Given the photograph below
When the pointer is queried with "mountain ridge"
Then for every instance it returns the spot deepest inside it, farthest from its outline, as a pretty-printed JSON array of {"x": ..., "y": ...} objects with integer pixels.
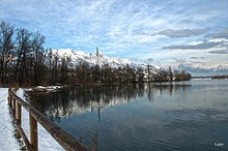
[{"x": 195, "y": 68}]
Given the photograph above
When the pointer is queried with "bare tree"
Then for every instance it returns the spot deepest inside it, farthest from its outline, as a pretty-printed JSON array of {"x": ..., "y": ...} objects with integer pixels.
[
  {"x": 55, "y": 67},
  {"x": 37, "y": 48},
  {"x": 83, "y": 72},
  {"x": 23, "y": 49},
  {"x": 64, "y": 70},
  {"x": 6, "y": 46}
]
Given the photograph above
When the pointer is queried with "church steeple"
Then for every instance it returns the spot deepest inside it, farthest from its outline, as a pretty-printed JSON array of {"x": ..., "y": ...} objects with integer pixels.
[{"x": 97, "y": 51}]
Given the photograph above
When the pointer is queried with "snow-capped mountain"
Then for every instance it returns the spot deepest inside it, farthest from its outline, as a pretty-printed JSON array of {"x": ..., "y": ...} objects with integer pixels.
[
  {"x": 92, "y": 59},
  {"x": 199, "y": 68},
  {"x": 193, "y": 66},
  {"x": 204, "y": 71}
]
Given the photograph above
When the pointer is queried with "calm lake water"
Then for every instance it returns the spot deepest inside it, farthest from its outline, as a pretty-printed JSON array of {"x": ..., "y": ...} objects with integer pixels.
[{"x": 183, "y": 116}]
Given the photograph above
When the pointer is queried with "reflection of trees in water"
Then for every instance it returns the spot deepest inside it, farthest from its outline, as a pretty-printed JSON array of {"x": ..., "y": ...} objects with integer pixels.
[
  {"x": 80, "y": 99},
  {"x": 59, "y": 104},
  {"x": 165, "y": 88},
  {"x": 85, "y": 96},
  {"x": 53, "y": 103}
]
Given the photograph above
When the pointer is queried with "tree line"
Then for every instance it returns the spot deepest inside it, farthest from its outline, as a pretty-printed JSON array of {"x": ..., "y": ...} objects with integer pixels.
[
  {"x": 21, "y": 57},
  {"x": 25, "y": 62}
]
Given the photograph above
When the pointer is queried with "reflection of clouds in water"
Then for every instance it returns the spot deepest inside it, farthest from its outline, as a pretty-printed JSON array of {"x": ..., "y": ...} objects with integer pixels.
[
  {"x": 190, "y": 95},
  {"x": 202, "y": 101},
  {"x": 221, "y": 117},
  {"x": 101, "y": 100},
  {"x": 79, "y": 100},
  {"x": 146, "y": 117},
  {"x": 201, "y": 114}
]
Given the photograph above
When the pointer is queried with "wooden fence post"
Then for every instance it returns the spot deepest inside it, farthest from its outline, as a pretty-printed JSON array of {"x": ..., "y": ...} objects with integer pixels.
[
  {"x": 33, "y": 133},
  {"x": 18, "y": 113},
  {"x": 14, "y": 107},
  {"x": 9, "y": 98},
  {"x": 18, "y": 117}
]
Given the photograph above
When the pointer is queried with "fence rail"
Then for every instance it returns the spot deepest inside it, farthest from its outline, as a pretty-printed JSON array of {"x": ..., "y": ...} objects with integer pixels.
[{"x": 67, "y": 141}]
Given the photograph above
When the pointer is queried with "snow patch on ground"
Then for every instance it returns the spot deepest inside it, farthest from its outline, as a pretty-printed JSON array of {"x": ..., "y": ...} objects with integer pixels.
[
  {"x": 46, "y": 89},
  {"x": 8, "y": 141}
]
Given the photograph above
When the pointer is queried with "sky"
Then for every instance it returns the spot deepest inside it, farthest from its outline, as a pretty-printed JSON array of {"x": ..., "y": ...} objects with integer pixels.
[{"x": 163, "y": 31}]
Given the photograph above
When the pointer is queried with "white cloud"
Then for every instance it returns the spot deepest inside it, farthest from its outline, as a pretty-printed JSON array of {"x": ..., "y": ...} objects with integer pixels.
[
  {"x": 125, "y": 28},
  {"x": 182, "y": 32}
]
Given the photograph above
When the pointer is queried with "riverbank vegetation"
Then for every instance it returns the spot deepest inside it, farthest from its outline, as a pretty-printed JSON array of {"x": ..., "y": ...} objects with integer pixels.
[
  {"x": 220, "y": 77},
  {"x": 25, "y": 62}
]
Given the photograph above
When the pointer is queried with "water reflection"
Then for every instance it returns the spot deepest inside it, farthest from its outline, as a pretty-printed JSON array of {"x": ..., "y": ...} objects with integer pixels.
[
  {"x": 71, "y": 101},
  {"x": 159, "y": 116}
]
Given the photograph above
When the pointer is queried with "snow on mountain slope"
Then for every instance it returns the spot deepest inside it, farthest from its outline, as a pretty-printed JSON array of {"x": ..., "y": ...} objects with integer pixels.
[
  {"x": 204, "y": 70},
  {"x": 196, "y": 66},
  {"x": 92, "y": 59}
]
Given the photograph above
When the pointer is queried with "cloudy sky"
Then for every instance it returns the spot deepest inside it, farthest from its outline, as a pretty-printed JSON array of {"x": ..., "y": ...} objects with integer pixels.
[{"x": 168, "y": 31}]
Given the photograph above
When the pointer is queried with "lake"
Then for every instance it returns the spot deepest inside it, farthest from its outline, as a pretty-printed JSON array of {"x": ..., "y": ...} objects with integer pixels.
[{"x": 188, "y": 116}]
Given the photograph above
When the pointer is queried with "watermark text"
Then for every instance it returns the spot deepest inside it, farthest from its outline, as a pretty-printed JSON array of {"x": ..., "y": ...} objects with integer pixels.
[{"x": 219, "y": 144}]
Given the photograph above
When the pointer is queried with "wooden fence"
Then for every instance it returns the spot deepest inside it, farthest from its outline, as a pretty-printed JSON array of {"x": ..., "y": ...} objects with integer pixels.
[{"x": 67, "y": 141}]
